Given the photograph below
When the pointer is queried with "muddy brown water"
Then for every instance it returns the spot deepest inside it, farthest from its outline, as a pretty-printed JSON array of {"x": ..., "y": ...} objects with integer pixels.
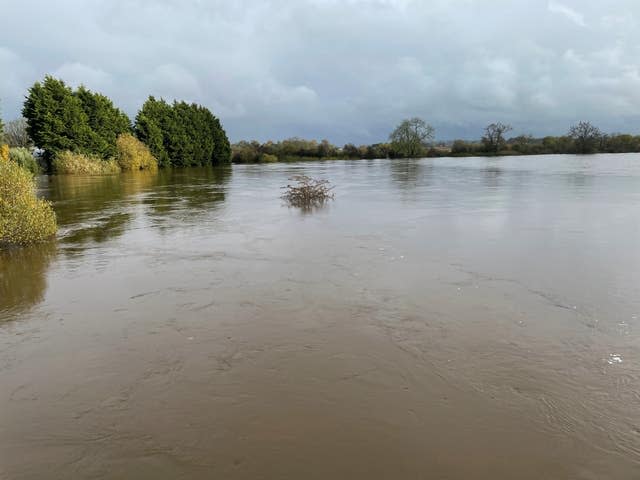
[{"x": 446, "y": 319}]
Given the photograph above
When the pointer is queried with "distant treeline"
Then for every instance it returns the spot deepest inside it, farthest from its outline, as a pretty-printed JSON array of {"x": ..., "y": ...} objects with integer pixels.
[
  {"x": 60, "y": 120},
  {"x": 528, "y": 145},
  {"x": 414, "y": 138},
  {"x": 297, "y": 148}
]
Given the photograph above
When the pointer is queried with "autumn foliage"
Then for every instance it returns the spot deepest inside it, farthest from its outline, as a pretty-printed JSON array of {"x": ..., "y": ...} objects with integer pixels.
[{"x": 24, "y": 218}]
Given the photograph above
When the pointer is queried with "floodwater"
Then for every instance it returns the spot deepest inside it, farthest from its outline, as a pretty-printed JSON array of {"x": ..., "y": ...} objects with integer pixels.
[{"x": 446, "y": 319}]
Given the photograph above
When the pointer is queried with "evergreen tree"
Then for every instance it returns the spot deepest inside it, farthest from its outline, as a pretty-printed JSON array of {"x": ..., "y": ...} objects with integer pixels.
[
  {"x": 106, "y": 121},
  {"x": 222, "y": 149},
  {"x": 151, "y": 123},
  {"x": 60, "y": 119},
  {"x": 56, "y": 120},
  {"x": 182, "y": 134}
]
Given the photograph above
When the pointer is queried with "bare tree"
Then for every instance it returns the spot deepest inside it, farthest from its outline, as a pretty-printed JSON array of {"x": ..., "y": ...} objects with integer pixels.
[
  {"x": 493, "y": 139},
  {"x": 410, "y": 138},
  {"x": 586, "y": 137},
  {"x": 15, "y": 133}
]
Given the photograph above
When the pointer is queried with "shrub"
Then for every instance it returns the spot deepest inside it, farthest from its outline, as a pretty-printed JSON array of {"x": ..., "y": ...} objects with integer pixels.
[
  {"x": 24, "y": 218},
  {"x": 133, "y": 155},
  {"x": 268, "y": 158},
  {"x": 76, "y": 163},
  {"x": 308, "y": 192},
  {"x": 4, "y": 153},
  {"x": 24, "y": 158}
]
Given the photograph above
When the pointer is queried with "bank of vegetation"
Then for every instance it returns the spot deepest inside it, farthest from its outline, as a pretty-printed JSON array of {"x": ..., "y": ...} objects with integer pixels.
[
  {"x": 78, "y": 131},
  {"x": 81, "y": 131},
  {"x": 414, "y": 138}
]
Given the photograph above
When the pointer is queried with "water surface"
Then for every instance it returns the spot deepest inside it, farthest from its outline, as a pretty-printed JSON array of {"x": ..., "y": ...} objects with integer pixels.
[{"x": 448, "y": 318}]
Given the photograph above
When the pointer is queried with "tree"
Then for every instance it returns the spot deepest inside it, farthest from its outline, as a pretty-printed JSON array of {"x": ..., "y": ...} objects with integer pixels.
[
  {"x": 105, "y": 120},
  {"x": 182, "y": 134},
  {"x": 410, "y": 138},
  {"x": 493, "y": 139},
  {"x": 460, "y": 147},
  {"x": 56, "y": 120},
  {"x": 586, "y": 137},
  {"x": 522, "y": 143},
  {"x": 351, "y": 151},
  {"x": 222, "y": 146},
  {"x": 16, "y": 135},
  {"x": 151, "y": 122},
  {"x": 59, "y": 119}
]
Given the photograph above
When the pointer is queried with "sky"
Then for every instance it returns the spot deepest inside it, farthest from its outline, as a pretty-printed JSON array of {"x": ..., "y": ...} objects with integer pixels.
[{"x": 347, "y": 70}]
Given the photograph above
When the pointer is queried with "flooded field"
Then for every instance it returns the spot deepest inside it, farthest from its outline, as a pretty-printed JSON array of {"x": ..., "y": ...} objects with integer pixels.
[{"x": 447, "y": 319}]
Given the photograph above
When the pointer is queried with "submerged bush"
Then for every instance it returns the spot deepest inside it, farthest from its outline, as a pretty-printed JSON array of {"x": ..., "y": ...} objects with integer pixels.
[
  {"x": 24, "y": 218},
  {"x": 23, "y": 157},
  {"x": 133, "y": 155},
  {"x": 308, "y": 192},
  {"x": 76, "y": 163}
]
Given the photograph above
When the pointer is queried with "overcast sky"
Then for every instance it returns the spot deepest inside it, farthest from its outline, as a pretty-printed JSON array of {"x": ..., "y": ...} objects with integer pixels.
[{"x": 345, "y": 70}]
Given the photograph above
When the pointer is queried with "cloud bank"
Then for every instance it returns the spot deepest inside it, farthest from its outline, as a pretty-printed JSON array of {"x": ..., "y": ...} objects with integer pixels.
[{"x": 342, "y": 70}]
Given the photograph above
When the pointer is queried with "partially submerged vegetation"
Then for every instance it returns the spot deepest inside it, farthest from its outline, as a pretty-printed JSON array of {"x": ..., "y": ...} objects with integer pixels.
[
  {"x": 67, "y": 163},
  {"x": 5, "y": 153},
  {"x": 76, "y": 129},
  {"x": 133, "y": 155},
  {"x": 307, "y": 192},
  {"x": 24, "y": 218}
]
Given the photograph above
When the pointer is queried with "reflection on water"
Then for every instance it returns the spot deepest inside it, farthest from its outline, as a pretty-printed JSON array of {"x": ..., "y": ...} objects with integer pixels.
[
  {"x": 186, "y": 195},
  {"x": 23, "y": 277},
  {"x": 455, "y": 318},
  {"x": 492, "y": 176},
  {"x": 410, "y": 173},
  {"x": 106, "y": 227}
]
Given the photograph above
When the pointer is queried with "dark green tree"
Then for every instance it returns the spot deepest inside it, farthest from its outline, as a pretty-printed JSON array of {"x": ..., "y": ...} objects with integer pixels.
[
  {"x": 60, "y": 119},
  {"x": 151, "y": 124},
  {"x": 182, "y": 134},
  {"x": 222, "y": 147},
  {"x": 105, "y": 120},
  {"x": 56, "y": 120}
]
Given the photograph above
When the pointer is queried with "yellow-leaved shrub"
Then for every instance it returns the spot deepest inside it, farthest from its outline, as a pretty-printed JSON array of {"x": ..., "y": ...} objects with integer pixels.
[
  {"x": 24, "y": 218},
  {"x": 79, "y": 164},
  {"x": 133, "y": 155},
  {"x": 4, "y": 153}
]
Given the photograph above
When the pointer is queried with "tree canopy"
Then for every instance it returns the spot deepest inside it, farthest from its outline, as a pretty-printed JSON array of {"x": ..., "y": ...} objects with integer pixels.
[
  {"x": 585, "y": 137},
  {"x": 493, "y": 139},
  {"x": 60, "y": 119},
  {"x": 182, "y": 134},
  {"x": 411, "y": 137}
]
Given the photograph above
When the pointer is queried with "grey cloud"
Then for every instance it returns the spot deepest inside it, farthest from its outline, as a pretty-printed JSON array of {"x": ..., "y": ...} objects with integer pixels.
[{"x": 344, "y": 70}]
